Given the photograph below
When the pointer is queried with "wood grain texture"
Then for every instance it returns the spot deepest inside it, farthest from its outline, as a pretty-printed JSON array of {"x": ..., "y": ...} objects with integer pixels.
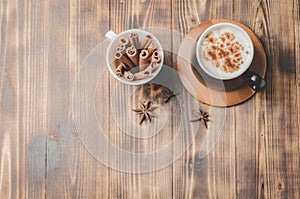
[
  {"x": 43, "y": 43},
  {"x": 214, "y": 174},
  {"x": 78, "y": 26},
  {"x": 297, "y": 46},
  {"x": 283, "y": 167},
  {"x": 139, "y": 14},
  {"x": 9, "y": 137},
  {"x": 246, "y": 168}
]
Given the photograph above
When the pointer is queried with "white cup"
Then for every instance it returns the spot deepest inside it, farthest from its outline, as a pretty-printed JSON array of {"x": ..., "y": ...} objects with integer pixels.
[
  {"x": 254, "y": 80},
  {"x": 114, "y": 38}
]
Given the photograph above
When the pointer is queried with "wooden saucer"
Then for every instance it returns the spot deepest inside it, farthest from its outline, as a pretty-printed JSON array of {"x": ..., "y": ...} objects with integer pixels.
[{"x": 207, "y": 89}]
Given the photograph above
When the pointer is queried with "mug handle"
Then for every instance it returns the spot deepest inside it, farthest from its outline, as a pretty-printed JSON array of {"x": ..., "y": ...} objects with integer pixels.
[
  {"x": 256, "y": 82},
  {"x": 110, "y": 35}
]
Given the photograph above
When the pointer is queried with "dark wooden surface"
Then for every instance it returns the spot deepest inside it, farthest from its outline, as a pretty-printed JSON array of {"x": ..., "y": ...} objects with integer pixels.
[{"x": 42, "y": 44}]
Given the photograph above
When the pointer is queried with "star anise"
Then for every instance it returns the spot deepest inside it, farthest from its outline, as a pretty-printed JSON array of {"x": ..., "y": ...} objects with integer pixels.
[
  {"x": 145, "y": 111},
  {"x": 202, "y": 116}
]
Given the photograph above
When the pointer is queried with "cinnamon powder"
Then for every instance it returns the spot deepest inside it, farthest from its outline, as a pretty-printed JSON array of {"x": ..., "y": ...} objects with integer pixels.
[{"x": 223, "y": 51}]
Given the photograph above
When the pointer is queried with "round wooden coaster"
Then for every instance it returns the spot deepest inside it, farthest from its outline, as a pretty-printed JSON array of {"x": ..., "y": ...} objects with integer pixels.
[{"x": 207, "y": 89}]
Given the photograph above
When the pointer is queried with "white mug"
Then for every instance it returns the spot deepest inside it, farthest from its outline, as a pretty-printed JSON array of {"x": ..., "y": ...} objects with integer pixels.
[{"x": 254, "y": 80}]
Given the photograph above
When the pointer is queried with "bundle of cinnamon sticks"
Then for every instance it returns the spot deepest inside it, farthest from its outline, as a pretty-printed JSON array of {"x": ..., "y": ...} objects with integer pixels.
[{"x": 136, "y": 60}]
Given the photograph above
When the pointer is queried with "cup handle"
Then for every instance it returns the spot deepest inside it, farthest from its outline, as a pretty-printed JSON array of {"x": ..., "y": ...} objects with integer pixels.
[
  {"x": 110, "y": 35},
  {"x": 256, "y": 82}
]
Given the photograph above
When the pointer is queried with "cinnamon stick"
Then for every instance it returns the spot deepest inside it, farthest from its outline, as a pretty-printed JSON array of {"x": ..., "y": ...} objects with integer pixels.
[
  {"x": 155, "y": 58},
  {"x": 128, "y": 75},
  {"x": 143, "y": 61},
  {"x": 147, "y": 72},
  {"x": 146, "y": 42},
  {"x": 121, "y": 68},
  {"x": 132, "y": 54},
  {"x": 152, "y": 66},
  {"x": 152, "y": 47},
  {"x": 121, "y": 49},
  {"x": 134, "y": 39},
  {"x": 124, "y": 41},
  {"x": 122, "y": 58}
]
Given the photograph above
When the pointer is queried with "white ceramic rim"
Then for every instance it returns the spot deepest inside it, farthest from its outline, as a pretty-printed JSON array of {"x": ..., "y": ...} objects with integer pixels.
[
  {"x": 134, "y": 82},
  {"x": 209, "y": 29}
]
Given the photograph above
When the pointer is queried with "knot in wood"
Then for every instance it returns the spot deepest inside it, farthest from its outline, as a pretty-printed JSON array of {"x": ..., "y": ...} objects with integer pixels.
[
  {"x": 280, "y": 186},
  {"x": 192, "y": 19}
]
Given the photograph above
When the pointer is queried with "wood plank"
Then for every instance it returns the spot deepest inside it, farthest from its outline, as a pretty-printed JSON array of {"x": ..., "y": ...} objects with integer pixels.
[
  {"x": 250, "y": 161},
  {"x": 184, "y": 16},
  {"x": 297, "y": 45},
  {"x": 60, "y": 76},
  {"x": 261, "y": 28},
  {"x": 35, "y": 98},
  {"x": 23, "y": 47}
]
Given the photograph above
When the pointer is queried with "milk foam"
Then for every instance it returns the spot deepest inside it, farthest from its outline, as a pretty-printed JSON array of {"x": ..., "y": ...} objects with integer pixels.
[{"x": 246, "y": 54}]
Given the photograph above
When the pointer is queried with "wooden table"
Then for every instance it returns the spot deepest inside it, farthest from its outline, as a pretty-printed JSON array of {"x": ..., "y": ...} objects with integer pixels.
[{"x": 42, "y": 46}]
